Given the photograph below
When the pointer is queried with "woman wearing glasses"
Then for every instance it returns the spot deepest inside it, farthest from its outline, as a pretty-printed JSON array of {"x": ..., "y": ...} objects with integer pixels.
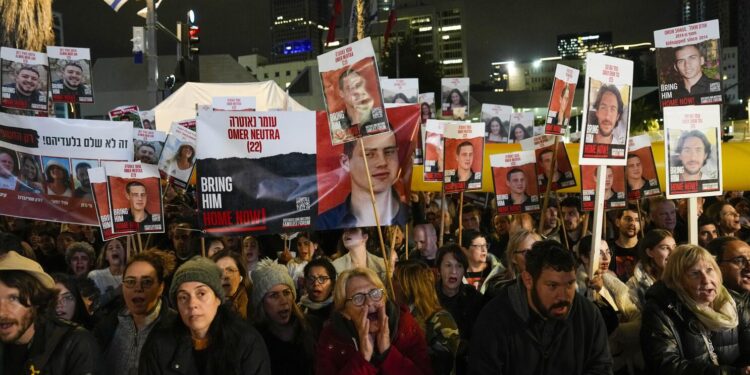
[
  {"x": 236, "y": 285},
  {"x": 369, "y": 334},
  {"x": 481, "y": 262},
  {"x": 123, "y": 333},
  {"x": 320, "y": 277},
  {"x": 279, "y": 320},
  {"x": 208, "y": 338}
]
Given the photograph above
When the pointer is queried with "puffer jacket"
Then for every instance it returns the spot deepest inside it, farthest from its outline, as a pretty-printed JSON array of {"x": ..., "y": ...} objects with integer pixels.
[
  {"x": 60, "y": 348},
  {"x": 673, "y": 342},
  {"x": 337, "y": 351}
]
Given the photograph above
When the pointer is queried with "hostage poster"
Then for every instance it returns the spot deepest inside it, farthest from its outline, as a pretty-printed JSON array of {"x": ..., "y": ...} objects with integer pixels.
[
  {"x": 351, "y": 92},
  {"x": 463, "y": 156},
  {"x": 70, "y": 71},
  {"x": 521, "y": 126},
  {"x": 497, "y": 122},
  {"x": 399, "y": 91},
  {"x": 544, "y": 149},
  {"x": 606, "y": 114},
  {"x": 433, "y": 150},
  {"x": 640, "y": 171},
  {"x": 127, "y": 113},
  {"x": 178, "y": 156},
  {"x": 256, "y": 172},
  {"x": 515, "y": 189},
  {"x": 23, "y": 79},
  {"x": 98, "y": 179},
  {"x": 561, "y": 100},
  {"x": 343, "y": 189},
  {"x": 614, "y": 187},
  {"x": 45, "y": 163},
  {"x": 148, "y": 145},
  {"x": 688, "y": 64},
  {"x": 454, "y": 98},
  {"x": 693, "y": 151},
  {"x": 135, "y": 197}
]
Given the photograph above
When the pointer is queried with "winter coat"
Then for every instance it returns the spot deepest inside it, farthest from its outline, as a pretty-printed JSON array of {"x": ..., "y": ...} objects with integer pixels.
[
  {"x": 674, "y": 341},
  {"x": 338, "y": 352},
  {"x": 639, "y": 284},
  {"x": 510, "y": 338},
  {"x": 60, "y": 348},
  {"x": 170, "y": 350}
]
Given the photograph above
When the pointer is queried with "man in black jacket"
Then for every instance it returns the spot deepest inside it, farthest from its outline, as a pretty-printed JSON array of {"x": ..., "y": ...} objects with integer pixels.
[
  {"x": 539, "y": 325},
  {"x": 33, "y": 342}
]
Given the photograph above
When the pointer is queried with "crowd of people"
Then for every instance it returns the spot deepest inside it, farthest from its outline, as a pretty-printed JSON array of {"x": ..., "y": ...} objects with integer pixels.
[{"x": 493, "y": 295}]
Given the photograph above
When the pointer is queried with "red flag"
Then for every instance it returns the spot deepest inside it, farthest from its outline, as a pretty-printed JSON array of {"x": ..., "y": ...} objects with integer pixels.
[
  {"x": 337, "y": 7},
  {"x": 389, "y": 27}
]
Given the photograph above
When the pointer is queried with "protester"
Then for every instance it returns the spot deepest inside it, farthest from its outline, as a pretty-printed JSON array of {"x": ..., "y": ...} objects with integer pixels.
[
  {"x": 733, "y": 257},
  {"x": 320, "y": 279},
  {"x": 570, "y": 212},
  {"x": 653, "y": 250},
  {"x": 79, "y": 257},
  {"x": 540, "y": 325},
  {"x": 369, "y": 334},
  {"x": 414, "y": 282},
  {"x": 551, "y": 226},
  {"x": 425, "y": 245},
  {"x": 70, "y": 305},
  {"x": 250, "y": 253},
  {"x": 481, "y": 263},
  {"x": 691, "y": 323},
  {"x": 208, "y": 338},
  {"x": 519, "y": 245},
  {"x": 234, "y": 282},
  {"x": 108, "y": 275},
  {"x": 123, "y": 332},
  {"x": 354, "y": 241},
  {"x": 726, "y": 218},
  {"x": 707, "y": 231},
  {"x": 499, "y": 235},
  {"x": 663, "y": 214},
  {"x": 32, "y": 341},
  {"x": 214, "y": 245},
  {"x": 625, "y": 246},
  {"x": 281, "y": 323},
  {"x": 305, "y": 250}
]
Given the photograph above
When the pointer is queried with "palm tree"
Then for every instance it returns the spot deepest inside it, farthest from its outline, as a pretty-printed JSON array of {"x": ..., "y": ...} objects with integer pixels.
[{"x": 26, "y": 24}]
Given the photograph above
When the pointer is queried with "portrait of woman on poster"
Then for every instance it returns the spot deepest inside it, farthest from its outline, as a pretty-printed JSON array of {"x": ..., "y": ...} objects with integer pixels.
[
  {"x": 30, "y": 179},
  {"x": 562, "y": 117},
  {"x": 58, "y": 179},
  {"x": 495, "y": 131},
  {"x": 426, "y": 112},
  {"x": 518, "y": 133},
  {"x": 456, "y": 99},
  {"x": 181, "y": 164},
  {"x": 400, "y": 98}
]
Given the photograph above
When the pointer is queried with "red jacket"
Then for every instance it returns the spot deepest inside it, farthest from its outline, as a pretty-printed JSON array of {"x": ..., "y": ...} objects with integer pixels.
[{"x": 337, "y": 348}]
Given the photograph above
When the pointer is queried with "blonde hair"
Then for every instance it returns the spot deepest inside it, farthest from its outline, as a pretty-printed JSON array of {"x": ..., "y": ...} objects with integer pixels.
[
  {"x": 684, "y": 257},
  {"x": 342, "y": 280},
  {"x": 417, "y": 283},
  {"x": 513, "y": 243}
]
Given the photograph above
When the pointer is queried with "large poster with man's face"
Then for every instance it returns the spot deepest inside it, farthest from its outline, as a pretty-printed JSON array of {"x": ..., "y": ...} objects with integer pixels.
[
  {"x": 463, "y": 156},
  {"x": 23, "y": 76},
  {"x": 256, "y": 172},
  {"x": 606, "y": 114},
  {"x": 178, "y": 156},
  {"x": 693, "y": 151},
  {"x": 343, "y": 187},
  {"x": 514, "y": 177},
  {"x": 433, "y": 150},
  {"x": 454, "y": 98},
  {"x": 497, "y": 122},
  {"x": 614, "y": 187},
  {"x": 98, "y": 178},
  {"x": 148, "y": 145},
  {"x": 561, "y": 100},
  {"x": 134, "y": 191},
  {"x": 127, "y": 113},
  {"x": 399, "y": 91},
  {"x": 544, "y": 150},
  {"x": 640, "y": 171},
  {"x": 688, "y": 64},
  {"x": 351, "y": 92},
  {"x": 70, "y": 73},
  {"x": 44, "y": 165},
  {"x": 521, "y": 126}
]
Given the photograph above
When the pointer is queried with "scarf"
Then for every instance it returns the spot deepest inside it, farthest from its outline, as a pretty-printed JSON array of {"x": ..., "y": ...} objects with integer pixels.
[
  {"x": 307, "y": 302},
  {"x": 720, "y": 316}
]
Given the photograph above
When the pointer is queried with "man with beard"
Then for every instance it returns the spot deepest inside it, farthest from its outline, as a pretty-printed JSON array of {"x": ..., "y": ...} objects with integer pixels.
[
  {"x": 146, "y": 153},
  {"x": 381, "y": 151},
  {"x": 733, "y": 257},
  {"x": 8, "y": 169},
  {"x": 32, "y": 341},
  {"x": 24, "y": 92},
  {"x": 570, "y": 210},
  {"x": 693, "y": 150},
  {"x": 625, "y": 246},
  {"x": 464, "y": 160},
  {"x": 71, "y": 84},
  {"x": 83, "y": 191},
  {"x": 609, "y": 108},
  {"x": 540, "y": 325}
]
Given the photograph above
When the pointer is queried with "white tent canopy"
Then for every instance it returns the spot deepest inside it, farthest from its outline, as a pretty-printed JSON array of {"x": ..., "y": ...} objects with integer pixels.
[{"x": 182, "y": 104}]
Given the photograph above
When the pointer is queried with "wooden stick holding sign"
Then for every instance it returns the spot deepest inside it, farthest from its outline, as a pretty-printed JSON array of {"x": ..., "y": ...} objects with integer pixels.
[
  {"x": 564, "y": 234},
  {"x": 387, "y": 262},
  {"x": 550, "y": 176},
  {"x": 599, "y": 217},
  {"x": 406, "y": 239},
  {"x": 693, "y": 220},
  {"x": 443, "y": 209},
  {"x": 640, "y": 216},
  {"x": 460, "y": 217}
]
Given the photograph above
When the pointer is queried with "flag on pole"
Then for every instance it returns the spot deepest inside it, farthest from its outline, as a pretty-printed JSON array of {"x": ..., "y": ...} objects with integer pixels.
[
  {"x": 115, "y": 4},
  {"x": 337, "y": 7},
  {"x": 389, "y": 28}
]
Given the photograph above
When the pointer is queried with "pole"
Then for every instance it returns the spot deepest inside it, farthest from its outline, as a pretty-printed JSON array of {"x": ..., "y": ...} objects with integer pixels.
[
  {"x": 140, "y": 243},
  {"x": 693, "y": 220},
  {"x": 387, "y": 260},
  {"x": 152, "y": 55},
  {"x": 562, "y": 223},
  {"x": 640, "y": 216},
  {"x": 406, "y": 239},
  {"x": 442, "y": 213},
  {"x": 599, "y": 217},
  {"x": 550, "y": 175},
  {"x": 460, "y": 217},
  {"x": 203, "y": 246}
]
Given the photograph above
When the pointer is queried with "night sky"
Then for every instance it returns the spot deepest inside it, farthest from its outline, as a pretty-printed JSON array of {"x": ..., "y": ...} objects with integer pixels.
[{"x": 522, "y": 30}]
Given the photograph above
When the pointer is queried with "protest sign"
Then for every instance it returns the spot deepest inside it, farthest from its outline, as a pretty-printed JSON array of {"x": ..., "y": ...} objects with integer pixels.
[
  {"x": 463, "y": 156},
  {"x": 70, "y": 71},
  {"x": 561, "y": 100},
  {"x": 98, "y": 179},
  {"x": 521, "y": 126},
  {"x": 148, "y": 119},
  {"x": 134, "y": 191},
  {"x": 23, "y": 79},
  {"x": 497, "y": 122},
  {"x": 513, "y": 175},
  {"x": 148, "y": 145},
  {"x": 48, "y": 159},
  {"x": 399, "y": 91},
  {"x": 178, "y": 156},
  {"x": 640, "y": 170},
  {"x": 233, "y": 103},
  {"x": 351, "y": 92},
  {"x": 614, "y": 187},
  {"x": 544, "y": 150},
  {"x": 433, "y": 150},
  {"x": 127, "y": 113},
  {"x": 454, "y": 98}
]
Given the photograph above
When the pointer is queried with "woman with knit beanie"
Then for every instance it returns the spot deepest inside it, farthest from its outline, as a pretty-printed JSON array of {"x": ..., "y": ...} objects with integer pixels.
[
  {"x": 209, "y": 338},
  {"x": 280, "y": 321},
  {"x": 691, "y": 324}
]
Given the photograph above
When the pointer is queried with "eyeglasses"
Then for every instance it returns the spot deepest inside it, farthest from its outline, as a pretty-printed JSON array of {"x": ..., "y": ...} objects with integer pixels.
[
  {"x": 131, "y": 282},
  {"x": 522, "y": 251},
  {"x": 482, "y": 246},
  {"x": 230, "y": 270},
  {"x": 317, "y": 280},
  {"x": 65, "y": 299},
  {"x": 734, "y": 214},
  {"x": 277, "y": 296},
  {"x": 741, "y": 262},
  {"x": 358, "y": 299}
]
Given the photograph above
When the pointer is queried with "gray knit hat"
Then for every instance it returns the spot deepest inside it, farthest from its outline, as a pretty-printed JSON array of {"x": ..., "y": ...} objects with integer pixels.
[
  {"x": 267, "y": 275},
  {"x": 198, "y": 269}
]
